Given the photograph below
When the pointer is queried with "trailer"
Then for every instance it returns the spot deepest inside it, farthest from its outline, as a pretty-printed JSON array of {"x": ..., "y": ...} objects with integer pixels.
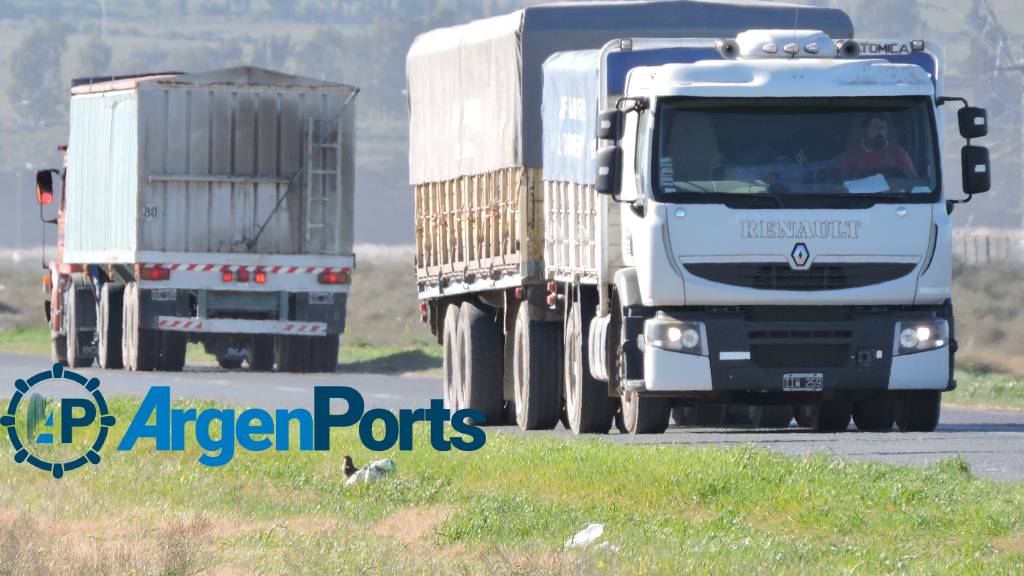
[
  {"x": 214, "y": 208},
  {"x": 625, "y": 209}
]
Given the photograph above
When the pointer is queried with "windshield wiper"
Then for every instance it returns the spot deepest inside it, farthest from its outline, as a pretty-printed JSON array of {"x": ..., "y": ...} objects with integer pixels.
[{"x": 744, "y": 200}]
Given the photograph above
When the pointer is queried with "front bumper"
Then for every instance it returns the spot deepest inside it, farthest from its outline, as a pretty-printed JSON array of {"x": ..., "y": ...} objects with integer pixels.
[{"x": 751, "y": 351}]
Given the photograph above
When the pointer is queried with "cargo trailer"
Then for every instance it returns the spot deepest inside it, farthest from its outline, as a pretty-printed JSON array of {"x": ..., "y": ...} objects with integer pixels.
[{"x": 214, "y": 208}]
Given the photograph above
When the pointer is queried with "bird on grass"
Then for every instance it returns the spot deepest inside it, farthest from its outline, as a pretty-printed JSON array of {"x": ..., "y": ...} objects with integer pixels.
[{"x": 349, "y": 468}]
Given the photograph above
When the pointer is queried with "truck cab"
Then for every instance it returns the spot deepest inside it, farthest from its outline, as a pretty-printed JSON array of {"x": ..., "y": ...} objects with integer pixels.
[{"x": 781, "y": 229}]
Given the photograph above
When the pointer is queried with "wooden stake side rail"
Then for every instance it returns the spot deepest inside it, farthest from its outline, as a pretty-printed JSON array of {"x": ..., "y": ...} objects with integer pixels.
[{"x": 474, "y": 225}]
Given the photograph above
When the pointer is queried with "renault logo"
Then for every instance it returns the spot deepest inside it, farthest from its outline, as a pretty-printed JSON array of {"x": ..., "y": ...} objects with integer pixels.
[{"x": 800, "y": 255}]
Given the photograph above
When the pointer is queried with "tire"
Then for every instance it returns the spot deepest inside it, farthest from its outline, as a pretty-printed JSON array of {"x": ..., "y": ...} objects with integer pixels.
[
  {"x": 449, "y": 361},
  {"x": 323, "y": 353},
  {"x": 778, "y": 416},
  {"x": 806, "y": 415},
  {"x": 919, "y": 411},
  {"x": 832, "y": 416},
  {"x": 537, "y": 373},
  {"x": 586, "y": 399},
  {"x": 617, "y": 418},
  {"x": 171, "y": 356},
  {"x": 139, "y": 346},
  {"x": 76, "y": 359},
  {"x": 292, "y": 353},
  {"x": 645, "y": 414},
  {"x": 261, "y": 353},
  {"x": 108, "y": 327},
  {"x": 229, "y": 363},
  {"x": 481, "y": 356},
  {"x": 59, "y": 349},
  {"x": 700, "y": 415},
  {"x": 874, "y": 414}
]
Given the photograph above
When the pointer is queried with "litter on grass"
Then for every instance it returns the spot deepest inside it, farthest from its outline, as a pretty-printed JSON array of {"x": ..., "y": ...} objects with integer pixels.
[{"x": 372, "y": 472}]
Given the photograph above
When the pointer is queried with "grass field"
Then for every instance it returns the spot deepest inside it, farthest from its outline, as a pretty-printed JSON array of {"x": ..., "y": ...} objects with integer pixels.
[{"x": 506, "y": 509}]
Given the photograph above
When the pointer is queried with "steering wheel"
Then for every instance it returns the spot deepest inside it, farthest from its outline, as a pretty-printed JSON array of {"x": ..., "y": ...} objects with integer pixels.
[{"x": 888, "y": 172}]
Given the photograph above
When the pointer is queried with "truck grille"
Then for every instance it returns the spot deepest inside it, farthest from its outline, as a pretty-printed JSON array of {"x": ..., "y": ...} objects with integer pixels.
[
  {"x": 761, "y": 276},
  {"x": 810, "y": 355}
]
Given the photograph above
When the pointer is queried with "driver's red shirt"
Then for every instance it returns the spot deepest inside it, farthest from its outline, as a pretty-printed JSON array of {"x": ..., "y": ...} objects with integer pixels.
[{"x": 858, "y": 161}]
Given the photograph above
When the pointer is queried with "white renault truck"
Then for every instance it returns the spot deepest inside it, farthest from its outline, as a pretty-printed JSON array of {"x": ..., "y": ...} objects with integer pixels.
[{"x": 758, "y": 218}]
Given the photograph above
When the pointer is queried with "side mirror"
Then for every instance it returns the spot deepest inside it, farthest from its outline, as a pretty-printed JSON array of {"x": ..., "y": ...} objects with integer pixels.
[
  {"x": 609, "y": 168},
  {"x": 975, "y": 166},
  {"x": 609, "y": 124},
  {"x": 973, "y": 122},
  {"x": 44, "y": 187}
]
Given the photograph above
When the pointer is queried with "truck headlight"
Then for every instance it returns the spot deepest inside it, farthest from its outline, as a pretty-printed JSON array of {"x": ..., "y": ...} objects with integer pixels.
[
  {"x": 667, "y": 333},
  {"x": 921, "y": 335}
]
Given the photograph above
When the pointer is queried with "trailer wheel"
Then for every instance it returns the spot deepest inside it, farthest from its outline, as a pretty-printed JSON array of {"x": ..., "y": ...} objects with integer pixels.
[
  {"x": 324, "y": 353},
  {"x": 449, "y": 362},
  {"x": 586, "y": 399},
  {"x": 292, "y": 353},
  {"x": 874, "y": 413},
  {"x": 139, "y": 346},
  {"x": 536, "y": 375},
  {"x": 59, "y": 349},
  {"x": 481, "y": 354},
  {"x": 171, "y": 356},
  {"x": 919, "y": 411},
  {"x": 644, "y": 414},
  {"x": 109, "y": 326},
  {"x": 778, "y": 416},
  {"x": 73, "y": 318},
  {"x": 832, "y": 416},
  {"x": 261, "y": 353}
]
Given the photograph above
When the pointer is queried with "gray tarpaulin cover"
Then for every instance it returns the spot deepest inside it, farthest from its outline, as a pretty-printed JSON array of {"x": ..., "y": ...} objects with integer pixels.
[{"x": 475, "y": 89}]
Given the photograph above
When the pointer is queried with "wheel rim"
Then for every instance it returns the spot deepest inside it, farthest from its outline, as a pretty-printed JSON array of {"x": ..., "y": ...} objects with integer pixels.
[
  {"x": 573, "y": 383},
  {"x": 630, "y": 401},
  {"x": 518, "y": 380}
]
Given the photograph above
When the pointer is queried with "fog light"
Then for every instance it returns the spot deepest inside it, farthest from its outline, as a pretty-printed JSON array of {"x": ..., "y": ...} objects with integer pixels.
[
  {"x": 667, "y": 333},
  {"x": 921, "y": 335}
]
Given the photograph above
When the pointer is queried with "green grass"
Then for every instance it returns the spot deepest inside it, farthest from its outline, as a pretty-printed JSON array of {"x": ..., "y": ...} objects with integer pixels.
[
  {"x": 989, "y": 389},
  {"x": 507, "y": 509},
  {"x": 27, "y": 339}
]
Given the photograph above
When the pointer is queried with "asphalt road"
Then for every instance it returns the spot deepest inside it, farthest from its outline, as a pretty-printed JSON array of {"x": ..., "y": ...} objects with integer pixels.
[{"x": 991, "y": 441}]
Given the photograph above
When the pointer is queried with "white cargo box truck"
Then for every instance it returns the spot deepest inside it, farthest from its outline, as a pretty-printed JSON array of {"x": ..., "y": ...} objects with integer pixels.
[
  {"x": 212, "y": 207},
  {"x": 681, "y": 204}
]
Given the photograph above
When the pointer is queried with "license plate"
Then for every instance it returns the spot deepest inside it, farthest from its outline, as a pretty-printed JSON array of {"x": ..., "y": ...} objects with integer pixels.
[{"x": 803, "y": 382}]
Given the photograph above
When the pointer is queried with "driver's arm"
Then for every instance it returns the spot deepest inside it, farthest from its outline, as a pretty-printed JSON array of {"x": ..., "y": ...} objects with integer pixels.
[{"x": 905, "y": 163}]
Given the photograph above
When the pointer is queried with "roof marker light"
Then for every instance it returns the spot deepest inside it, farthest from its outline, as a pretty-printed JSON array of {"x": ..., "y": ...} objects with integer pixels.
[
  {"x": 917, "y": 45},
  {"x": 791, "y": 49},
  {"x": 811, "y": 48},
  {"x": 770, "y": 48}
]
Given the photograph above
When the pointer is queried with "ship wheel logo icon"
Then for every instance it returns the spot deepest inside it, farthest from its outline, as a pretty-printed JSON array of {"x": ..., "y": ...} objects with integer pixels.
[{"x": 80, "y": 407}]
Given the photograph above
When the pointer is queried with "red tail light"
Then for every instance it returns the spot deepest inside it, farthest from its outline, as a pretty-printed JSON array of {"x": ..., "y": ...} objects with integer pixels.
[
  {"x": 227, "y": 275},
  {"x": 333, "y": 277},
  {"x": 423, "y": 312},
  {"x": 155, "y": 272},
  {"x": 242, "y": 275},
  {"x": 260, "y": 277}
]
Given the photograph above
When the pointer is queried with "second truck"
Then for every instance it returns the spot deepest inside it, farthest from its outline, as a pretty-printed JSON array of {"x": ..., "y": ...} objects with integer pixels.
[
  {"x": 626, "y": 208},
  {"x": 214, "y": 208}
]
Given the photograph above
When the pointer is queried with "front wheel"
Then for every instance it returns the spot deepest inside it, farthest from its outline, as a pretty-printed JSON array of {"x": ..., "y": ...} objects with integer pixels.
[
  {"x": 919, "y": 411},
  {"x": 644, "y": 414}
]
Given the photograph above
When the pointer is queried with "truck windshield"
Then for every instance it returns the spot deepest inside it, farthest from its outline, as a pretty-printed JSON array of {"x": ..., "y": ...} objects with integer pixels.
[{"x": 795, "y": 151}]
